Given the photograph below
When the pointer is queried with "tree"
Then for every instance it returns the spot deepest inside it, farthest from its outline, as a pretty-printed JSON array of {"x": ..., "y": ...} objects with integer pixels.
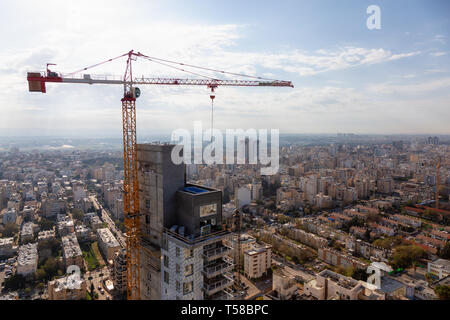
[
  {"x": 444, "y": 252},
  {"x": 345, "y": 271},
  {"x": 360, "y": 274},
  {"x": 46, "y": 224},
  {"x": 10, "y": 230},
  {"x": 443, "y": 292},
  {"x": 77, "y": 214},
  {"x": 15, "y": 282},
  {"x": 405, "y": 256},
  {"x": 367, "y": 234}
]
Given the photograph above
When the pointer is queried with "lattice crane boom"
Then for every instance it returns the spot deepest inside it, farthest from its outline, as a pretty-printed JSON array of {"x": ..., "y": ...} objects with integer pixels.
[{"x": 37, "y": 83}]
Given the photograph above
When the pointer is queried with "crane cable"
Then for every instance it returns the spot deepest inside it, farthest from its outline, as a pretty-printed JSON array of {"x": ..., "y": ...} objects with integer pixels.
[
  {"x": 179, "y": 69},
  {"x": 207, "y": 69},
  {"x": 95, "y": 65},
  {"x": 212, "y": 112}
]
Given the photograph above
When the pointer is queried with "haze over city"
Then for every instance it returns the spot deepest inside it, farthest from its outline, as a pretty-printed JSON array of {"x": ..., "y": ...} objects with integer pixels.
[{"x": 347, "y": 78}]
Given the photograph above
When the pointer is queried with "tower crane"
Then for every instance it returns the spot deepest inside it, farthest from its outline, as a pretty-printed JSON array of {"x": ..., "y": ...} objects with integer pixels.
[{"x": 37, "y": 83}]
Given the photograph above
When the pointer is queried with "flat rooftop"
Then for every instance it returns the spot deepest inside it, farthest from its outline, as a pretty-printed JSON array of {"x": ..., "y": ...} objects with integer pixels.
[
  {"x": 443, "y": 263},
  {"x": 195, "y": 190}
]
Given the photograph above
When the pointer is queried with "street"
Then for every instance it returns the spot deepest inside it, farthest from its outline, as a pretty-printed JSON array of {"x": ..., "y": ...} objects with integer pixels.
[{"x": 107, "y": 218}]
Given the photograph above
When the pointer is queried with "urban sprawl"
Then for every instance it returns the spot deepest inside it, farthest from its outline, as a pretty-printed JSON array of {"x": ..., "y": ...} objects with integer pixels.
[{"x": 309, "y": 232}]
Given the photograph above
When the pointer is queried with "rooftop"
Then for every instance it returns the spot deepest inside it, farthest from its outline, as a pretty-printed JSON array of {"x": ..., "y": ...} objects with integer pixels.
[
  {"x": 27, "y": 254},
  {"x": 71, "y": 248},
  {"x": 70, "y": 282},
  {"x": 107, "y": 237},
  {"x": 443, "y": 263}
]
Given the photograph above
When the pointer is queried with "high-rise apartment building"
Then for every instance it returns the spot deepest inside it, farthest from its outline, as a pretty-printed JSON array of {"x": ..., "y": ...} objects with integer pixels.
[{"x": 182, "y": 234}]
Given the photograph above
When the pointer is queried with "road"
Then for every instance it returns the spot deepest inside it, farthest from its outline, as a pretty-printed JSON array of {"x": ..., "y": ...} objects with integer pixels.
[
  {"x": 97, "y": 279},
  {"x": 111, "y": 225}
]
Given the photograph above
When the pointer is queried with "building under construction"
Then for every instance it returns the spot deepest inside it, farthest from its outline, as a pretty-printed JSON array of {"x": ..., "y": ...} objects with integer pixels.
[{"x": 183, "y": 254}]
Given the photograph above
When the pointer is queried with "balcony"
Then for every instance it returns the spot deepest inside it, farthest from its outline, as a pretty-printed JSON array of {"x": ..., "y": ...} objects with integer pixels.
[
  {"x": 215, "y": 286},
  {"x": 215, "y": 269},
  {"x": 216, "y": 253},
  {"x": 225, "y": 294}
]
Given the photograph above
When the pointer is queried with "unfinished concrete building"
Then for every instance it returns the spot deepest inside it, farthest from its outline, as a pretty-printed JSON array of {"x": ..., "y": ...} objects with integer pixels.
[{"x": 182, "y": 235}]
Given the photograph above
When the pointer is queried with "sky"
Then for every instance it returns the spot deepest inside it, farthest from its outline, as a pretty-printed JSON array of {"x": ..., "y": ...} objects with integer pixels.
[{"x": 347, "y": 78}]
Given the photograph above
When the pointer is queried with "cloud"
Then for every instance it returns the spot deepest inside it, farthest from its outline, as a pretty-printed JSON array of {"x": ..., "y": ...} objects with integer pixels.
[
  {"x": 440, "y": 38},
  {"x": 410, "y": 89},
  {"x": 304, "y": 64},
  {"x": 438, "y": 54}
]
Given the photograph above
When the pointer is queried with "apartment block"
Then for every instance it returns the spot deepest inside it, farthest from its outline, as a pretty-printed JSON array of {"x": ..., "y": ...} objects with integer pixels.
[
  {"x": 107, "y": 243},
  {"x": 330, "y": 285},
  {"x": 337, "y": 258},
  {"x": 72, "y": 254},
  {"x": 257, "y": 261},
  {"x": 46, "y": 235},
  {"x": 70, "y": 287},
  {"x": 440, "y": 268},
  {"x": 182, "y": 224},
  {"x": 284, "y": 284},
  {"x": 119, "y": 271},
  {"x": 27, "y": 260},
  {"x": 7, "y": 248}
]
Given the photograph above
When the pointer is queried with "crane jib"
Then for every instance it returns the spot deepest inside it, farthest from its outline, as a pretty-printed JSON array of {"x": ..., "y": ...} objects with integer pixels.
[{"x": 37, "y": 81}]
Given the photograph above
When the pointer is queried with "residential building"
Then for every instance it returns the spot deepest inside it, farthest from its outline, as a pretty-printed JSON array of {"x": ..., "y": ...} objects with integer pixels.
[
  {"x": 284, "y": 284},
  {"x": 27, "y": 260},
  {"x": 72, "y": 254},
  {"x": 46, "y": 235},
  {"x": 182, "y": 224},
  {"x": 7, "y": 248},
  {"x": 330, "y": 285},
  {"x": 439, "y": 267},
  {"x": 337, "y": 258},
  {"x": 257, "y": 261},
  {"x": 107, "y": 243},
  {"x": 119, "y": 271},
  {"x": 70, "y": 287}
]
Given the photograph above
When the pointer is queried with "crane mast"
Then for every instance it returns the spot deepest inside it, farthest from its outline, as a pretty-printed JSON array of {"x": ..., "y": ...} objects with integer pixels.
[
  {"x": 37, "y": 83},
  {"x": 130, "y": 184}
]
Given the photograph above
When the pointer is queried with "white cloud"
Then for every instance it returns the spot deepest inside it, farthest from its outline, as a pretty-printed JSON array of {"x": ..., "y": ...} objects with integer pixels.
[
  {"x": 438, "y": 54},
  {"x": 410, "y": 89}
]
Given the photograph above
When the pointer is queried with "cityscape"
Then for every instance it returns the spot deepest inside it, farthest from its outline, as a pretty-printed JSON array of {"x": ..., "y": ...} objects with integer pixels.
[
  {"x": 308, "y": 232},
  {"x": 199, "y": 152}
]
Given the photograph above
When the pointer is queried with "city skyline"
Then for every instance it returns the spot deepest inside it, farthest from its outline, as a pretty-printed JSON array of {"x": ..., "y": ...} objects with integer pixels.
[{"x": 347, "y": 78}]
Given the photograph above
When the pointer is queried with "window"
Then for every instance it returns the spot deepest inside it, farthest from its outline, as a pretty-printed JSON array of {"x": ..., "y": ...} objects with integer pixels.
[
  {"x": 178, "y": 286},
  {"x": 208, "y": 209},
  {"x": 147, "y": 204},
  {"x": 188, "y": 287},
  {"x": 166, "y": 277},
  {"x": 177, "y": 252},
  {"x": 188, "y": 253},
  {"x": 166, "y": 261},
  {"x": 147, "y": 219},
  {"x": 177, "y": 268},
  {"x": 188, "y": 270}
]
